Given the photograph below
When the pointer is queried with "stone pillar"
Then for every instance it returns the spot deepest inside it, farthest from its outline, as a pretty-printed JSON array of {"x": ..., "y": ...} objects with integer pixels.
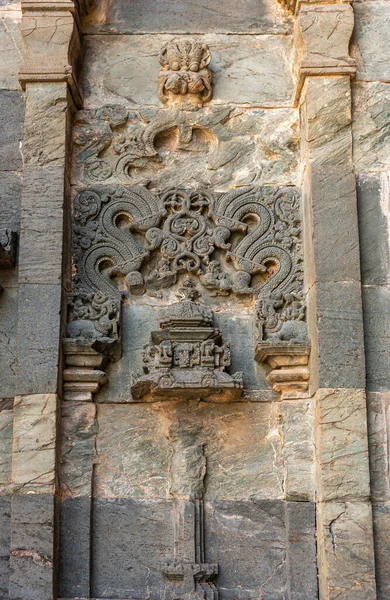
[
  {"x": 332, "y": 271},
  {"x": 48, "y": 76}
]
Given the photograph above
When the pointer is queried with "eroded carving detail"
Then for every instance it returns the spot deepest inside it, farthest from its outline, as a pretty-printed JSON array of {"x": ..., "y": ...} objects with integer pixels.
[
  {"x": 187, "y": 354},
  {"x": 182, "y": 231},
  {"x": 8, "y": 242},
  {"x": 184, "y": 77}
]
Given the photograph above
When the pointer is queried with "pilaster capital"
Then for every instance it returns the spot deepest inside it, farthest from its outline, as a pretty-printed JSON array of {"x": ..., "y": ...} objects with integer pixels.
[
  {"x": 321, "y": 39},
  {"x": 51, "y": 38}
]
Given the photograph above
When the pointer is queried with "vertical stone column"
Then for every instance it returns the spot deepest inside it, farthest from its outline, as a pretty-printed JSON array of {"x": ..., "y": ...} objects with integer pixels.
[
  {"x": 48, "y": 77},
  {"x": 332, "y": 271}
]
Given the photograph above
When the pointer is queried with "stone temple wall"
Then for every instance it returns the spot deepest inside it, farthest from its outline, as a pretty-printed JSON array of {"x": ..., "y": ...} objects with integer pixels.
[{"x": 194, "y": 359}]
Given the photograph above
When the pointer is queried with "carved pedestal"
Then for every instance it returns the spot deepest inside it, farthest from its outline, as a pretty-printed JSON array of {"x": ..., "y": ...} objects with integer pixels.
[
  {"x": 289, "y": 361},
  {"x": 84, "y": 374}
]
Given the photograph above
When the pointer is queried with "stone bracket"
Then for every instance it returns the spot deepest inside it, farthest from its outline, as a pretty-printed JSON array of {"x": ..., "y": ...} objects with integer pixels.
[
  {"x": 84, "y": 373},
  {"x": 289, "y": 362}
]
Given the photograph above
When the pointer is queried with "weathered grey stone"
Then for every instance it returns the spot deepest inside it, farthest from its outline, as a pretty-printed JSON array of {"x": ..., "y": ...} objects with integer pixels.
[
  {"x": 11, "y": 128},
  {"x": 332, "y": 225},
  {"x": 327, "y": 133},
  {"x": 46, "y": 110},
  {"x": 33, "y": 448},
  {"x": 301, "y": 550},
  {"x": 255, "y": 71},
  {"x": 377, "y": 336},
  {"x": 75, "y": 547},
  {"x": 42, "y": 226},
  {"x": 337, "y": 331},
  {"x": 297, "y": 425},
  {"x": 11, "y": 46},
  {"x": 133, "y": 454},
  {"x": 78, "y": 451},
  {"x": 32, "y": 547},
  {"x": 371, "y": 125},
  {"x": 8, "y": 342},
  {"x": 187, "y": 17},
  {"x": 374, "y": 224},
  {"x": 6, "y": 421},
  {"x": 227, "y": 146},
  {"x": 10, "y": 192},
  {"x": 381, "y": 516},
  {"x": 38, "y": 338},
  {"x": 378, "y": 442},
  {"x": 372, "y": 21},
  {"x": 341, "y": 445},
  {"x": 131, "y": 541},
  {"x": 5, "y": 540},
  {"x": 253, "y": 543},
  {"x": 345, "y": 551}
]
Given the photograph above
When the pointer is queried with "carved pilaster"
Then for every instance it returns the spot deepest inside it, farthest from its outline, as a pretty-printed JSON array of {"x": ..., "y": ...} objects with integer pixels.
[
  {"x": 322, "y": 35},
  {"x": 51, "y": 38}
]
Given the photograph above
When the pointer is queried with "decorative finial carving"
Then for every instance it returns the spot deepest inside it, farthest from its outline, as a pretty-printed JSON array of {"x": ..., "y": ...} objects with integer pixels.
[
  {"x": 184, "y": 77},
  {"x": 187, "y": 355}
]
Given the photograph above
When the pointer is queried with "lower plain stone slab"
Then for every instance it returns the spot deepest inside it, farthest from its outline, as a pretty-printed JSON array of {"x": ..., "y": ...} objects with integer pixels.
[
  {"x": 6, "y": 423},
  {"x": 75, "y": 547},
  {"x": 378, "y": 440},
  {"x": 345, "y": 551},
  {"x": 8, "y": 341},
  {"x": 131, "y": 539},
  {"x": 381, "y": 515},
  {"x": 5, "y": 539},
  {"x": 11, "y": 128},
  {"x": 372, "y": 21},
  {"x": 32, "y": 547}
]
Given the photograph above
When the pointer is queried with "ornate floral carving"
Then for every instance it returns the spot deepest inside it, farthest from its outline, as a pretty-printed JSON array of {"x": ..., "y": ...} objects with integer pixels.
[
  {"x": 184, "y": 77},
  {"x": 187, "y": 354},
  {"x": 182, "y": 232}
]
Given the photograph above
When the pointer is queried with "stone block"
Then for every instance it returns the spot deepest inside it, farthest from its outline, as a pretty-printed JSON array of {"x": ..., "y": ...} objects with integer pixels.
[
  {"x": 374, "y": 224},
  {"x": 38, "y": 339},
  {"x": 228, "y": 147},
  {"x": 336, "y": 330},
  {"x": 78, "y": 452},
  {"x": 187, "y": 16},
  {"x": 376, "y": 301},
  {"x": 254, "y": 71},
  {"x": 42, "y": 226},
  {"x": 45, "y": 129},
  {"x": 378, "y": 442},
  {"x": 10, "y": 194},
  {"x": 381, "y": 516},
  {"x": 327, "y": 133},
  {"x": 5, "y": 540},
  {"x": 6, "y": 422},
  {"x": 341, "y": 445},
  {"x": 333, "y": 225},
  {"x": 264, "y": 531},
  {"x": 32, "y": 547},
  {"x": 131, "y": 541},
  {"x": 8, "y": 341},
  {"x": 12, "y": 50},
  {"x": 133, "y": 452},
  {"x": 371, "y": 125},
  {"x": 11, "y": 129},
  {"x": 297, "y": 425},
  {"x": 301, "y": 550},
  {"x": 75, "y": 548},
  {"x": 372, "y": 22},
  {"x": 34, "y": 437},
  {"x": 345, "y": 551}
]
